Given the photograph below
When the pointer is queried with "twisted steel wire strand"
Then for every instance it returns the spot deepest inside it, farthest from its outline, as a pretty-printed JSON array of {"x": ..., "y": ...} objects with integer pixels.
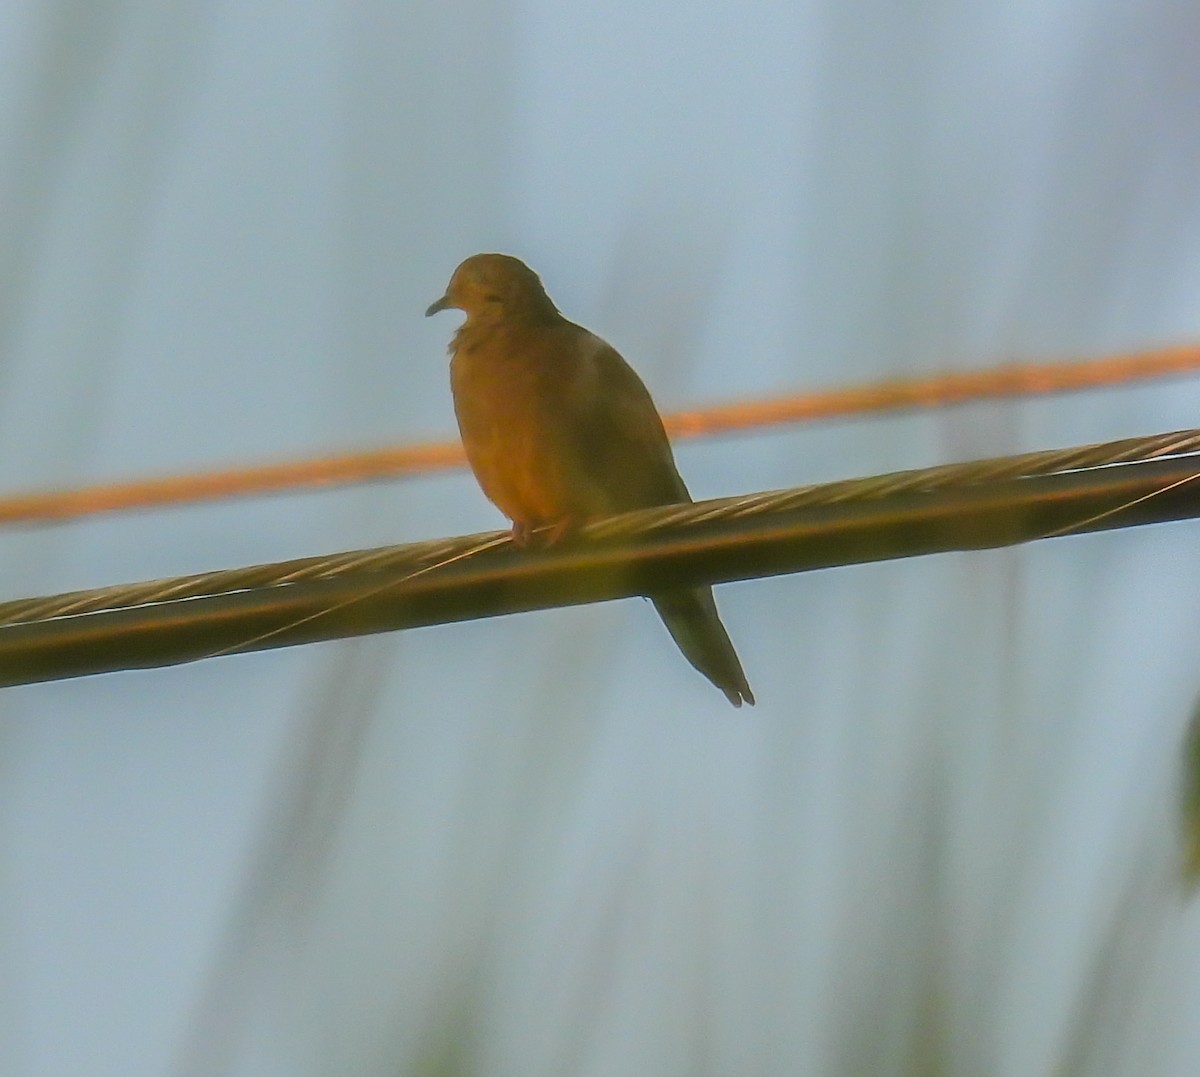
[{"x": 413, "y": 559}]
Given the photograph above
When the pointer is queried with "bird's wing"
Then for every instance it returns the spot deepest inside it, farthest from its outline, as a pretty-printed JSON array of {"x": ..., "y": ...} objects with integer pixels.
[{"x": 615, "y": 430}]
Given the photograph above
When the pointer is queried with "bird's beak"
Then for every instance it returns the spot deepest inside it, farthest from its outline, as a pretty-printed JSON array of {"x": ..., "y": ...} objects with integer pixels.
[{"x": 441, "y": 304}]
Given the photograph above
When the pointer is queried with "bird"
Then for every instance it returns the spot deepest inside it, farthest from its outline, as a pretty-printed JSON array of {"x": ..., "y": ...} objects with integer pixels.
[{"x": 559, "y": 430}]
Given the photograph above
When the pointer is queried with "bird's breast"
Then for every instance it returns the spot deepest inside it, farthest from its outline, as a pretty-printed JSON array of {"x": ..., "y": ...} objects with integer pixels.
[{"x": 507, "y": 403}]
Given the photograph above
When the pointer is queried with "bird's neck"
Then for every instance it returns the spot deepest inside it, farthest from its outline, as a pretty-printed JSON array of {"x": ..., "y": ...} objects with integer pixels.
[
  {"x": 490, "y": 323},
  {"x": 530, "y": 311}
]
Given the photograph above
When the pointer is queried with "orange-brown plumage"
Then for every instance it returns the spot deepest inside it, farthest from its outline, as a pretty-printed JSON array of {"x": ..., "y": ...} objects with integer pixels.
[{"x": 559, "y": 429}]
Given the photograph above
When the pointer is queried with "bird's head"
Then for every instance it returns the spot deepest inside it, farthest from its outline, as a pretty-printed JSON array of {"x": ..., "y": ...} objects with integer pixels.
[{"x": 494, "y": 287}]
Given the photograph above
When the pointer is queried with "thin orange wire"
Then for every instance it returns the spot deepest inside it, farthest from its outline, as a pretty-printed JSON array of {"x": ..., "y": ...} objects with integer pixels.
[{"x": 1009, "y": 380}]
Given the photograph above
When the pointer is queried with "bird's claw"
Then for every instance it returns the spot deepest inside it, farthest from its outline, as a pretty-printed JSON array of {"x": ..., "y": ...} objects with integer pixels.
[{"x": 543, "y": 536}]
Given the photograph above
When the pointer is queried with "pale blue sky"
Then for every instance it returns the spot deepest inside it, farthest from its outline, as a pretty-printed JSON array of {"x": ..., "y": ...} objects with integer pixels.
[{"x": 543, "y": 844}]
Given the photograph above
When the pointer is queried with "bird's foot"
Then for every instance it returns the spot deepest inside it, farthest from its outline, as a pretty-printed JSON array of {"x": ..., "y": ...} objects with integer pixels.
[
  {"x": 541, "y": 536},
  {"x": 554, "y": 534}
]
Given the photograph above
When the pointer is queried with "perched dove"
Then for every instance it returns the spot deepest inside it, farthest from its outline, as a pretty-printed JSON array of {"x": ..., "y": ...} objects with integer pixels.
[{"x": 559, "y": 429}]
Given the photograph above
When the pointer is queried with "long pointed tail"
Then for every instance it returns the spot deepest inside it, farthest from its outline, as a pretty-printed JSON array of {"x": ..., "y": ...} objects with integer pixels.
[{"x": 691, "y": 618}]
